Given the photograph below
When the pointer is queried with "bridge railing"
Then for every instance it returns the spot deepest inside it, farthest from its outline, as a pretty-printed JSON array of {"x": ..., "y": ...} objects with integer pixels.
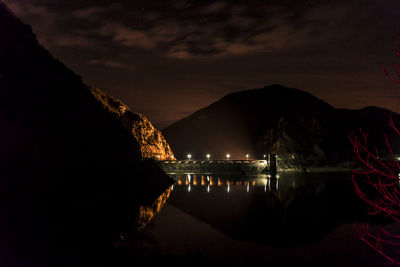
[{"x": 215, "y": 166}]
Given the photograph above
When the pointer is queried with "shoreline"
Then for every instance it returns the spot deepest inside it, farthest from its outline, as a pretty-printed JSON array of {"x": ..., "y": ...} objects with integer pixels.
[{"x": 315, "y": 169}]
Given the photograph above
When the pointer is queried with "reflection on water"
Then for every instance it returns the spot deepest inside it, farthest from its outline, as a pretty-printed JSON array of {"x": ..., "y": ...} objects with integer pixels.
[
  {"x": 278, "y": 211},
  {"x": 147, "y": 212},
  {"x": 267, "y": 181},
  {"x": 293, "y": 220}
]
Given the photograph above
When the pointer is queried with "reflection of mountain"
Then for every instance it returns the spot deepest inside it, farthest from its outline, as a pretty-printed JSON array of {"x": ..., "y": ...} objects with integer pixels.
[
  {"x": 287, "y": 121},
  {"x": 297, "y": 210},
  {"x": 72, "y": 176}
]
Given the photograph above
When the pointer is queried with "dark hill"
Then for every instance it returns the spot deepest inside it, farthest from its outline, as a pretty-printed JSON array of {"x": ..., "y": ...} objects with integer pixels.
[
  {"x": 75, "y": 167},
  {"x": 276, "y": 119}
]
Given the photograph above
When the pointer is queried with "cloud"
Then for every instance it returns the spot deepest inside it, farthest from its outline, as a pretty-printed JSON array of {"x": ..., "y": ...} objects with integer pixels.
[
  {"x": 214, "y": 7},
  {"x": 126, "y": 36},
  {"x": 46, "y": 25},
  {"x": 234, "y": 32},
  {"x": 197, "y": 31},
  {"x": 33, "y": 14},
  {"x": 24, "y": 9},
  {"x": 69, "y": 40},
  {"x": 107, "y": 63},
  {"x": 89, "y": 12}
]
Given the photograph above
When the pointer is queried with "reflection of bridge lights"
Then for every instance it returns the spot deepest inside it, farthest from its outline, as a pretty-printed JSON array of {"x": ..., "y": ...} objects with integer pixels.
[
  {"x": 172, "y": 188},
  {"x": 208, "y": 178},
  {"x": 208, "y": 156},
  {"x": 179, "y": 182},
  {"x": 228, "y": 156},
  {"x": 219, "y": 182},
  {"x": 248, "y": 187},
  {"x": 229, "y": 188},
  {"x": 189, "y": 156},
  {"x": 194, "y": 181},
  {"x": 189, "y": 188},
  {"x": 277, "y": 176},
  {"x": 189, "y": 177},
  {"x": 208, "y": 189}
]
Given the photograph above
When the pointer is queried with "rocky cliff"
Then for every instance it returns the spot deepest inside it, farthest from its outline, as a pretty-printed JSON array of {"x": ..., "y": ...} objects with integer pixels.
[
  {"x": 303, "y": 130},
  {"x": 151, "y": 141},
  {"x": 75, "y": 167}
]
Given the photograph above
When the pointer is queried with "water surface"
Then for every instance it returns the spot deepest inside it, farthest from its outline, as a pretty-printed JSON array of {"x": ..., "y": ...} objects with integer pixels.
[{"x": 288, "y": 220}]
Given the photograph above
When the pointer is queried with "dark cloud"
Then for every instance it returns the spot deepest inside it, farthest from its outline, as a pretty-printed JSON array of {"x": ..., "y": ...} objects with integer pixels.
[
  {"x": 216, "y": 29},
  {"x": 214, "y": 7},
  {"x": 89, "y": 12},
  {"x": 169, "y": 58},
  {"x": 47, "y": 22},
  {"x": 125, "y": 36},
  {"x": 107, "y": 63}
]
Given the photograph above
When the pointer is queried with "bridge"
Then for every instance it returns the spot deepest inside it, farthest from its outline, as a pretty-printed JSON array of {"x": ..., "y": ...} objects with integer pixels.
[{"x": 220, "y": 166}]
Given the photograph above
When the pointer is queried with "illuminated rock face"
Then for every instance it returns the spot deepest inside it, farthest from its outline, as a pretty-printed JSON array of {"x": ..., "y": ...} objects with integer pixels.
[{"x": 151, "y": 141}]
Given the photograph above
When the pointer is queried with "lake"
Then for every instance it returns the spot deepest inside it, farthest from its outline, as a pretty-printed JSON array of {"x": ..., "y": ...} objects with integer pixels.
[{"x": 292, "y": 219}]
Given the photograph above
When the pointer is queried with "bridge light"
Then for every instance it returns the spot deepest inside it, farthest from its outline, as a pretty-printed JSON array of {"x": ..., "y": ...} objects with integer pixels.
[
  {"x": 264, "y": 156},
  {"x": 208, "y": 156},
  {"x": 189, "y": 156},
  {"x": 247, "y": 156},
  {"x": 228, "y": 156}
]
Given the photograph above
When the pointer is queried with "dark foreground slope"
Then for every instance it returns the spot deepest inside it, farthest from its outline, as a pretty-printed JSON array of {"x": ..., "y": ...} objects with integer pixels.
[
  {"x": 73, "y": 172},
  {"x": 276, "y": 119}
]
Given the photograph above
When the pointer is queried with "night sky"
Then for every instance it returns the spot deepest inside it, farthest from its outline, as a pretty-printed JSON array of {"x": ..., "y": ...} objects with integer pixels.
[{"x": 166, "y": 59}]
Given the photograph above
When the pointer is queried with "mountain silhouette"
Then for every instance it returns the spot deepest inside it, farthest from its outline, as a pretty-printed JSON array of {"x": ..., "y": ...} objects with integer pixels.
[
  {"x": 302, "y": 129},
  {"x": 76, "y": 167}
]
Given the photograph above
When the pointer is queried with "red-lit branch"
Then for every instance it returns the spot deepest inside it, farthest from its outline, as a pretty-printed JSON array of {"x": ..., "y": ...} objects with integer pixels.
[
  {"x": 395, "y": 65},
  {"x": 377, "y": 183}
]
